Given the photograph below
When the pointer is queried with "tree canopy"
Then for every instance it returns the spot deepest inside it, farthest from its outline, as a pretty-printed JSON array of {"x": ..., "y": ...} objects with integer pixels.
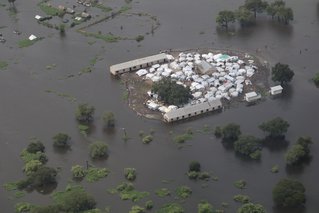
[
  {"x": 98, "y": 150},
  {"x": 249, "y": 146},
  {"x": 35, "y": 146},
  {"x": 109, "y": 119},
  {"x": 171, "y": 93},
  {"x": 276, "y": 127},
  {"x": 289, "y": 193},
  {"x": 84, "y": 113},
  {"x": 282, "y": 73},
  {"x": 299, "y": 151},
  {"x": 251, "y": 208},
  {"x": 205, "y": 207},
  {"x": 231, "y": 132},
  {"x": 225, "y": 17},
  {"x": 61, "y": 140},
  {"x": 256, "y": 6},
  {"x": 194, "y": 166},
  {"x": 244, "y": 16}
]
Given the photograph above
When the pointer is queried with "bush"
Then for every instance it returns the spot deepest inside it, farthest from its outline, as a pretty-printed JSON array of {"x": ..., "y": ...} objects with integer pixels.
[
  {"x": 171, "y": 208},
  {"x": 299, "y": 151},
  {"x": 289, "y": 193},
  {"x": 61, "y": 140},
  {"x": 98, "y": 150},
  {"x": 250, "y": 207},
  {"x": 193, "y": 175},
  {"x": 183, "y": 192},
  {"x": 240, "y": 184},
  {"x": 194, "y": 166},
  {"x": 276, "y": 127},
  {"x": 84, "y": 113},
  {"x": 78, "y": 171},
  {"x": 109, "y": 119},
  {"x": 248, "y": 146},
  {"x": 282, "y": 73},
  {"x": 149, "y": 204},
  {"x": 27, "y": 156},
  {"x": 32, "y": 166},
  {"x": 218, "y": 132},
  {"x": 35, "y": 146},
  {"x": 231, "y": 132},
  {"x": 147, "y": 139},
  {"x": 137, "y": 209},
  {"x": 163, "y": 192},
  {"x": 205, "y": 207},
  {"x": 130, "y": 173},
  {"x": 242, "y": 198},
  {"x": 95, "y": 174}
]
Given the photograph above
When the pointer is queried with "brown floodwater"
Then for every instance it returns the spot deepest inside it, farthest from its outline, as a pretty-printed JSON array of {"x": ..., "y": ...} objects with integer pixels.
[{"x": 28, "y": 110}]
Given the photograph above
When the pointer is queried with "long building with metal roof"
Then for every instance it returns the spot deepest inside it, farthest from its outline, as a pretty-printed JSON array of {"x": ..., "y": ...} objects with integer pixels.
[
  {"x": 192, "y": 110},
  {"x": 138, "y": 64}
]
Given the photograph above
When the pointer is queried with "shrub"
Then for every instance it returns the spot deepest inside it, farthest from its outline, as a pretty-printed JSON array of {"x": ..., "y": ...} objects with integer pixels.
[
  {"x": 147, "y": 139},
  {"x": 98, "y": 150},
  {"x": 231, "y": 132},
  {"x": 149, "y": 204},
  {"x": 241, "y": 184},
  {"x": 130, "y": 173},
  {"x": 35, "y": 146},
  {"x": 242, "y": 198},
  {"x": 78, "y": 171},
  {"x": 205, "y": 207},
  {"x": 249, "y": 146},
  {"x": 163, "y": 192},
  {"x": 183, "y": 192},
  {"x": 194, "y": 166},
  {"x": 61, "y": 140},
  {"x": 32, "y": 166},
  {"x": 109, "y": 119},
  {"x": 84, "y": 113}
]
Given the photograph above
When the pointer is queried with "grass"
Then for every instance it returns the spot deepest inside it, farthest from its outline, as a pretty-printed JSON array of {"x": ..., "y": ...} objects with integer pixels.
[
  {"x": 163, "y": 192},
  {"x": 10, "y": 186},
  {"x": 102, "y": 7},
  {"x": 240, "y": 184},
  {"x": 3, "y": 65},
  {"x": 125, "y": 8},
  {"x": 241, "y": 198},
  {"x": 63, "y": 95},
  {"x": 182, "y": 138},
  {"x": 95, "y": 174},
  {"x": 183, "y": 192},
  {"x": 128, "y": 192},
  {"x": 171, "y": 207},
  {"x": 49, "y": 10},
  {"x": 125, "y": 95},
  {"x": 26, "y": 42},
  {"x": 105, "y": 37}
]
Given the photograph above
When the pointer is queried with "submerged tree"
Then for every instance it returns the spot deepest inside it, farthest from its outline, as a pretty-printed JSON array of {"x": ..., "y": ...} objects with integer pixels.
[
  {"x": 231, "y": 132},
  {"x": 276, "y": 127},
  {"x": 256, "y": 6},
  {"x": 282, "y": 73},
  {"x": 289, "y": 193},
  {"x": 61, "y": 140},
  {"x": 109, "y": 119},
  {"x": 299, "y": 151},
  {"x": 84, "y": 113},
  {"x": 244, "y": 16},
  {"x": 98, "y": 150},
  {"x": 225, "y": 17},
  {"x": 251, "y": 208},
  {"x": 273, "y": 8},
  {"x": 249, "y": 146}
]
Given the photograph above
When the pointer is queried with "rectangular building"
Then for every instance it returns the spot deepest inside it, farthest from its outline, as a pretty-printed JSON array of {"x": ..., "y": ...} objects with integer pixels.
[
  {"x": 276, "y": 90},
  {"x": 252, "y": 96},
  {"x": 138, "y": 64},
  {"x": 193, "y": 110}
]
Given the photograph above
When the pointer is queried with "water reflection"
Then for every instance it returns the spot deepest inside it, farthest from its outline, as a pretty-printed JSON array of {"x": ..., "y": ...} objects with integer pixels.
[
  {"x": 275, "y": 144},
  {"x": 298, "y": 168}
]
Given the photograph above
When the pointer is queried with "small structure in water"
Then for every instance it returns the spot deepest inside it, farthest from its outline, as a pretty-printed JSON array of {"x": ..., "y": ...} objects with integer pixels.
[
  {"x": 252, "y": 96},
  {"x": 138, "y": 64},
  {"x": 192, "y": 110},
  {"x": 276, "y": 90}
]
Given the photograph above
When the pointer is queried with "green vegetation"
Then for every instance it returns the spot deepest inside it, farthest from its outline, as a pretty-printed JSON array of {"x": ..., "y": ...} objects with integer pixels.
[
  {"x": 194, "y": 172},
  {"x": 251, "y": 208},
  {"x": 62, "y": 28},
  {"x": 61, "y": 140},
  {"x": 240, "y": 184},
  {"x": 10, "y": 186},
  {"x": 95, "y": 174},
  {"x": 78, "y": 172},
  {"x": 73, "y": 199},
  {"x": 225, "y": 17},
  {"x": 147, "y": 139},
  {"x": 109, "y": 119},
  {"x": 27, "y": 156},
  {"x": 205, "y": 207},
  {"x": 163, "y": 192},
  {"x": 183, "y": 192},
  {"x": 231, "y": 132},
  {"x": 256, "y": 6},
  {"x": 124, "y": 8},
  {"x": 137, "y": 209},
  {"x": 50, "y": 10},
  {"x": 171, "y": 93},
  {"x": 183, "y": 137},
  {"x": 171, "y": 208},
  {"x": 278, "y": 9},
  {"x": 105, "y": 37},
  {"x": 282, "y": 73},
  {"x": 289, "y": 193},
  {"x": 244, "y": 16},
  {"x": 299, "y": 151},
  {"x": 127, "y": 192},
  {"x": 84, "y": 129},
  {"x": 26, "y": 42},
  {"x": 249, "y": 146},
  {"x": 149, "y": 204},
  {"x": 275, "y": 169},
  {"x": 32, "y": 166},
  {"x": 139, "y": 38},
  {"x": 102, "y": 7},
  {"x": 23, "y": 207},
  {"x": 3, "y": 65},
  {"x": 218, "y": 131},
  {"x": 130, "y": 174},
  {"x": 275, "y": 128},
  {"x": 98, "y": 150},
  {"x": 84, "y": 113},
  {"x": 241, "y": 198},
  {"x": 315, "y": 79},
  {"x": 194, "y": 166},
  {"x": 35, "y": 146}
]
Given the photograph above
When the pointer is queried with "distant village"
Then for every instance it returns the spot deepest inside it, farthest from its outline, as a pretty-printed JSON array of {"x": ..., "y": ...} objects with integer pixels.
[{"x": 210, "y": 77}]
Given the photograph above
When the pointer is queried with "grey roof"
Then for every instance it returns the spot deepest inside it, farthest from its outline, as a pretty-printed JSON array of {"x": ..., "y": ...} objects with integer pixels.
[
  {"x": 205, "y": 67},
  {"x": 192, "y": 109},
  {"x": 137, "y": 62}
]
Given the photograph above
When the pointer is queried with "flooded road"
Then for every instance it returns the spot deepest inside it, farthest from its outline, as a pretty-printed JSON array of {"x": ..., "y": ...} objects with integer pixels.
[{"x": 28, "y": 110}]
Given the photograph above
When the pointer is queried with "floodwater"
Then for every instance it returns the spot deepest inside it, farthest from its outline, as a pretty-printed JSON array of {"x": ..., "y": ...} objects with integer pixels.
[{"x": 28, "y": 110}]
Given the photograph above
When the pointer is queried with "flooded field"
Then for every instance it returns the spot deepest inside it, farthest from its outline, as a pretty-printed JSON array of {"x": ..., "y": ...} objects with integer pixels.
[{"x": 43, "y": 84}]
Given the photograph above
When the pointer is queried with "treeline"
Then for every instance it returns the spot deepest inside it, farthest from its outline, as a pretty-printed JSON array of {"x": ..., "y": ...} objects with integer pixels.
[{"x": 247, "y": 13}]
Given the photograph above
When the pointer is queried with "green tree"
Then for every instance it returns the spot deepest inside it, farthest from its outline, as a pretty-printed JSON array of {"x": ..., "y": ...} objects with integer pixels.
[
  {"x": 171, "y": 93},
  {"x": 289, "y": 193},
  {"x": 43, "y": 176},
  {"x": 231, "y": 132},
  {"x": 205, "y": 207},
  {"x": 251, "y": 208},
  {"x": 35, "y": 146},
  {"x": 61, "y": 140},
  {"x": 194, "y": 166},
  {"x": 225, "y": 17},
  {"x": 130, "y": 173},
  {"x": 32, "y": 166},
  {"x": 256, "y": 6},
  {"x": 285, "y": 14},
  {"x": 137, "y": 209},
  {"x": 84, "y": 113},
  {"x": 299, "y": 151},
  {"x": 78, "y": 171},
  {"x": 276, "y": 127},
  {"x": 244, "y": 16},
  {"x": 98, "y": 150},
  {"x": 273, "y": 8},
  {"x": 109, "y": 119},
  {"x": 249, "y": 146},
  {"x": 282, "y": 73}
]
